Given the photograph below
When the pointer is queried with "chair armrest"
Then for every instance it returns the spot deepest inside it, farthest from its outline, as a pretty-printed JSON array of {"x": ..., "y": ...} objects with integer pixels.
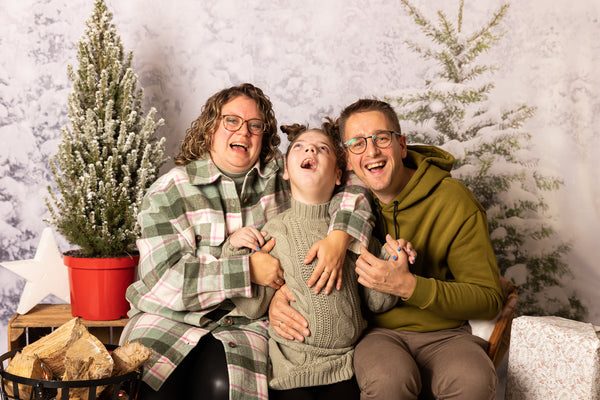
[{"x": 500, "y": 337}]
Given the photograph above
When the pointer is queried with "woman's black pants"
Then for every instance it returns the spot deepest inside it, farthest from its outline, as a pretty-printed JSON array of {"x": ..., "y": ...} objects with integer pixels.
[{"x": 201, "y": 374}]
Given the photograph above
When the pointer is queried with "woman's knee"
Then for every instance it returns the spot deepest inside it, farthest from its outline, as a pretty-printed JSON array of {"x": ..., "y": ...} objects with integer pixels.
[
  {"x": 203, "y": 372},
  {"x": 208, "y": 370}
]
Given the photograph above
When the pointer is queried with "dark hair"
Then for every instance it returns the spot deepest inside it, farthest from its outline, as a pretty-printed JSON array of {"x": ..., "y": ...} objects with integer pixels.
[
  {"x": 198, "y": 137},
  {"x": 328, "y": 128},
  {"x": 365, "y": 105}
]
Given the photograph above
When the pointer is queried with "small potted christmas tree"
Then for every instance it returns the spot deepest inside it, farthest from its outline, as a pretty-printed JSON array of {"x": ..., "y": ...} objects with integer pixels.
[{"x": 105, "y": 162}]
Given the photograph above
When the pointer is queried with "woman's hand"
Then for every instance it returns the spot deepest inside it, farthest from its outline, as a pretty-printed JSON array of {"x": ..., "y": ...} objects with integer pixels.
[
  {"x": 249, "y": 237},
  {"x": 265, "y": 269},
  {"x": 330, "y": 253},
  {"x": 286, "y": 321}
]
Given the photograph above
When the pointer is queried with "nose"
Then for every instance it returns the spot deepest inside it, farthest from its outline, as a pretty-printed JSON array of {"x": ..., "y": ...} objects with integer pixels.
[
  {"x": 311, "y": 148},
  {"x": 243, "y": 129},
  {"x": 371, "y": 148}
]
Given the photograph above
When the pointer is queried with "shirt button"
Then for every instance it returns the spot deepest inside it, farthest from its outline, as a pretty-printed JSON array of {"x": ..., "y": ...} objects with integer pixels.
[
  {"x": 232, "y": 345},
  {"x": 228, "y": 321},
  {"x": 198, "y": 238}
]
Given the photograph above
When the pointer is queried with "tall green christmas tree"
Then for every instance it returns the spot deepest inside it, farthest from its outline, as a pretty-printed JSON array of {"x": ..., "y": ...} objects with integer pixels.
[
  {"x": 493, "y": 157},
  {"x": 110, "y": 155}
]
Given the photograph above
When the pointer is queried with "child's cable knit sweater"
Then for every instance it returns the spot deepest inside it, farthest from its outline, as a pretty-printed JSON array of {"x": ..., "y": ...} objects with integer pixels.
[{"x": 335, "y": 320}]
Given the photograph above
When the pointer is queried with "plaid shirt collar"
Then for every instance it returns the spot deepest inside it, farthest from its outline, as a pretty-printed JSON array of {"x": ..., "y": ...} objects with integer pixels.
[{"x": 204, "y": 171}]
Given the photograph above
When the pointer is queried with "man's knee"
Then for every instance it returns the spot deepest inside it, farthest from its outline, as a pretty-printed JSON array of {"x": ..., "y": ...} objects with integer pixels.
[
  {"x": 480, "y": 382},
  {"x": 385, "y": 370},
  {"x": 472, "y": 380},
  {"x": 388, "y": 384}
]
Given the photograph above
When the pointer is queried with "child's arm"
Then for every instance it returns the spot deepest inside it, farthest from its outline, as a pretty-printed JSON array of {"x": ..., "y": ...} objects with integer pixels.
[
  {"x": 378, "y": 302},
  {"x": 375, "y": 301},
  {"x": 259, "y": 257},
  {"x": 388, "y": 274},
  {"x": 330, "y": 252},
  {"x": 257, "y": 305},
  {"x": 351, "y": 220}
]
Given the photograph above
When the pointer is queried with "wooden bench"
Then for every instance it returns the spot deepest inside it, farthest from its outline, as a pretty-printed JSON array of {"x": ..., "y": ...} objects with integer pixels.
[{"x": 43, "y": 318}]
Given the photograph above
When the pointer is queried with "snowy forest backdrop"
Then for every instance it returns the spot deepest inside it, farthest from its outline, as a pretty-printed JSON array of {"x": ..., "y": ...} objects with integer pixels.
[{"x": 312, "y": 59}]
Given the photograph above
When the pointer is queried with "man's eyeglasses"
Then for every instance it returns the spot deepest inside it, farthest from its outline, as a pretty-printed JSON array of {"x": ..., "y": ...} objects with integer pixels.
[
  {"x": 233, "y": 123},
  {"x": 381, "y": 139}
]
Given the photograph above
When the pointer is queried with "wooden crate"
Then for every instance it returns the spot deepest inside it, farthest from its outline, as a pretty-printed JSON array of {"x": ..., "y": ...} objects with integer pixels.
[{"x": 43, "y": 318}]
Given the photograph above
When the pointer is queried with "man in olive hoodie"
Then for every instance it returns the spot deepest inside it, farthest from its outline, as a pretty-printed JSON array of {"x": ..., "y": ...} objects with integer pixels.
[{"x": 422, "y": 347}]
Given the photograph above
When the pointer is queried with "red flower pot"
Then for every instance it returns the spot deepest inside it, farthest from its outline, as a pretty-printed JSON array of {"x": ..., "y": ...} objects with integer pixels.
[{"x": 97, "y": 285}]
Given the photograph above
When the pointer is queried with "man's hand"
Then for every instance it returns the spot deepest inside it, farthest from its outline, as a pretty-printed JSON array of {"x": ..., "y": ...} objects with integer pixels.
[
  {"x": 265, "y": 269},
  {"x": 330, "y": 253},
  {"x": 392, "y": 276},
  {"x": 286, "y": 321}
]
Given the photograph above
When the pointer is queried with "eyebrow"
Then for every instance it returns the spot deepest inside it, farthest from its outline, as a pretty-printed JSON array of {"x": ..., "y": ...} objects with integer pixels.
[
  {"x": 318, "y": 142},
  {"x": 223, "y": 112},
  {"x": 372, "y": 133}
]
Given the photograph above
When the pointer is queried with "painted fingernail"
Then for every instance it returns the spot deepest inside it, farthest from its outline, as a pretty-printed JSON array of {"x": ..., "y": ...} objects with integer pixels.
[
  {"x": 395, "y": 257},
  {"x": 258, "y": 248},
  {"x": 399, "y": 248}
]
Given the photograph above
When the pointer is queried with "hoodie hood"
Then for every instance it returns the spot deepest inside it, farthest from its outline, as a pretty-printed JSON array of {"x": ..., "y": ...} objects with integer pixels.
[
  {"x": 432, "y": 165},
  {"x": 447, "y": 226}
]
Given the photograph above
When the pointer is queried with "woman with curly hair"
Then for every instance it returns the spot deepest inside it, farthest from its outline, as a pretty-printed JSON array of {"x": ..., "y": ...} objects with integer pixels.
[{"x": 229, "y": 176}]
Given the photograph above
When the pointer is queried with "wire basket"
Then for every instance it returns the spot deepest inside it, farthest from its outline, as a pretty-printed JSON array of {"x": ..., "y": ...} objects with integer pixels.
[{"x": 119, "y": 387}]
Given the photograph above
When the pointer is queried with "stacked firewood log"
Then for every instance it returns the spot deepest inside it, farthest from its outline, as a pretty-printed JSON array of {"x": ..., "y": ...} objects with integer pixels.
[{"x": 71, "y": 353}]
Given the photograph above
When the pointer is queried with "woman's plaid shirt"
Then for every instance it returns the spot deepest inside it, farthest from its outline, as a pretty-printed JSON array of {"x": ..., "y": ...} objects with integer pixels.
[{"x": 185, "y": 218}]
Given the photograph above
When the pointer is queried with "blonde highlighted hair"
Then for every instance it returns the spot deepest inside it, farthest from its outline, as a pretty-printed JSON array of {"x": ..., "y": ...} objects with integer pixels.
[{"x": 366, "y": 105}]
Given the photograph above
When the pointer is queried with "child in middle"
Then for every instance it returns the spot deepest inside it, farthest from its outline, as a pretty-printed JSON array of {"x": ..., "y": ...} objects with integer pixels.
[{"x": 321, "y": 366}]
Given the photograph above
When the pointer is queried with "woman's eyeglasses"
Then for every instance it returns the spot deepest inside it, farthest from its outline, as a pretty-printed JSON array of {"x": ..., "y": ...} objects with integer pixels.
[{"x": 233, "y": 123}]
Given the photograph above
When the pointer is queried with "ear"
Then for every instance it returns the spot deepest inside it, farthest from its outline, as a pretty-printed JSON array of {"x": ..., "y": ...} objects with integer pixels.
[
  {"x": 338, "y": 177},
  {"x": 403, "y": 147},
  {"x": 348, "y": 166},
  {"x": 286, "y": 176}
]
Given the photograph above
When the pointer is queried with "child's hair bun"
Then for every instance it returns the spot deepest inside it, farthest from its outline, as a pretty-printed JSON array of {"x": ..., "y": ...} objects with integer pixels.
[
  {"x": 331, "y": 129},
  {"x": 292, "y": 131}
]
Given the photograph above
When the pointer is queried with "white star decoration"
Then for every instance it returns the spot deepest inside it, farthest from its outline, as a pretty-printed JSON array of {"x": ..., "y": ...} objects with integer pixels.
[{"x": 46, "y": 274}]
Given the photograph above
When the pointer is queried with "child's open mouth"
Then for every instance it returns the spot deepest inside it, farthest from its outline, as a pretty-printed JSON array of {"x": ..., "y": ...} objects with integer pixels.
[{"x": 308, "y": 163}]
